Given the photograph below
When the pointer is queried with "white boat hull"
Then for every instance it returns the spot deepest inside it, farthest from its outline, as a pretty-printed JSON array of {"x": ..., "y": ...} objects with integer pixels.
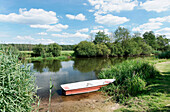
[{"x": 85, "y": 86}]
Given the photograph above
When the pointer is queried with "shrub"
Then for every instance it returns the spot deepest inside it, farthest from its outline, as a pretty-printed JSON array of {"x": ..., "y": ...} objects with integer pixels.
[
  {"x": 86, "y": 49},
  {"x": 131, "y": 77},
  {"x": 164, "y": 55},
  {"x": 17, "y": 86},
  {"x": 102, "y": 50}
]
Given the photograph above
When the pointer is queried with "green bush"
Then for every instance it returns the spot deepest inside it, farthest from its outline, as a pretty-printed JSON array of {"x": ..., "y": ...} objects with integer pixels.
[
  {"x": 131, "y": 77},
  {"x": 164, "y": 55},
  {"x": 86, "y": 49},
  {"x": 17, "y": 85}
]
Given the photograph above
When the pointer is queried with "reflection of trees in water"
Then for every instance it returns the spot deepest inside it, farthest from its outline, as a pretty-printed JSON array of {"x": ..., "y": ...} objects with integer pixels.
[
  {"x": 95, "y": 64},
  {"x": 52, "y": 65},
  {"x": 90, "y": 64}
]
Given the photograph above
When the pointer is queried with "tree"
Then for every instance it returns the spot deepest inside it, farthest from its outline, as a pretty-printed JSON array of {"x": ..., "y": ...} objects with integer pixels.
[
  {"x": 150, "y": 39},
  {"x": 121, "y": 34},
  {"x": 38, "y": 49},
  {"x": 86, "y": 49},
  {"x": 163, "y": 43},
  {"x": 55, "y": 49},
  {"x": 101, "y": 37},
  {"x": 102, "y": 50}
]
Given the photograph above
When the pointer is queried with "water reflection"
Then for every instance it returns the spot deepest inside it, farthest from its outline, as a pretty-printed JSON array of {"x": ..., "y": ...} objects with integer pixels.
[
  {"x": 47, "y": 66},
  {"x": 94, "y": 64},
  {"x": 66, "y": 74},
  {"x": 68, "y": 71}
]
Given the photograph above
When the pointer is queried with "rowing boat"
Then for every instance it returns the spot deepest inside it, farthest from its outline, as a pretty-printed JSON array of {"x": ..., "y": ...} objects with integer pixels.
[{"x": 85, "y": 86}]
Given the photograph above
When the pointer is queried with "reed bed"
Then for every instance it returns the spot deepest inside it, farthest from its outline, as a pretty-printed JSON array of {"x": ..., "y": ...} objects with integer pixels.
[
  {"x": 17, "y": 83},
  {"x": 131, "y": 78}
]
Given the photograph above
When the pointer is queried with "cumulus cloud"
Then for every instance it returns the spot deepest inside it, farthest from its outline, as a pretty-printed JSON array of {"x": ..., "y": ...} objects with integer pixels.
[
  {"x": 106, "y": 6},
  {"x": 97, "y": 30},
  {"x": 56, "y": 28},
  {"x": 84, "y": 3},
  {"x": 160, "y": 19},
  {"x": 91, "y": 10},
  {"x": 80, "y": 17},
  {"x": 42, "y": 33},
  {"x": 75, "y": 35},
  {"x": 110, "y": 20},
  {"x": 83, "y": 30},
  {"x": 147, "y": 27},
  {"x": 156, "y": 5},
  {"x": 164, "y": 31},
  {"x": 97, "y": 27},
  {"x": 26, "y": 39},
  {"x": 33, "y": 16}
]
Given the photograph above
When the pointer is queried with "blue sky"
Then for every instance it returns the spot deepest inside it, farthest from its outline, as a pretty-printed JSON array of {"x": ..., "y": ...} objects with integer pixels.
[{"x": 72, "y": 21}]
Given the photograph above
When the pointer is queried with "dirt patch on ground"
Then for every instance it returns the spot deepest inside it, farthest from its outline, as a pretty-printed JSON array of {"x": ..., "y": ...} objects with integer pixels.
[{"x": 89, "y": 102}]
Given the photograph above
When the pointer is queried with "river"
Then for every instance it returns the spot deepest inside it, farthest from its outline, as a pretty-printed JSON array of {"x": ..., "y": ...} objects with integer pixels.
[{"x": 62, "y": 72}]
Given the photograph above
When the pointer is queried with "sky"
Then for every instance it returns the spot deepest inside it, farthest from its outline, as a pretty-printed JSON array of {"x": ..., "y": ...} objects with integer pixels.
[{"x": 67, "y": 22}]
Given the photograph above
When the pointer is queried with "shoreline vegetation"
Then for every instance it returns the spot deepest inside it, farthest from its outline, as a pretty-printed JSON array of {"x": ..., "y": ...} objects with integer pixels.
[{"x": 141, "y": 85}]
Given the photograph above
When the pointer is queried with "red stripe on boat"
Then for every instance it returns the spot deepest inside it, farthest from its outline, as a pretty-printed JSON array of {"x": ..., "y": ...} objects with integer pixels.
[
  {"x": 66, "y": 87},
  {"x": 83, "y": 90},
  {"x": 107, "y": 82}
]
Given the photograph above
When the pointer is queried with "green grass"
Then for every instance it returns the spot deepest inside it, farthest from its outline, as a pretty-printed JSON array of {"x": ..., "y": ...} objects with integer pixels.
[
  {"x": 156, "y": 96},
  {"x": 26, "y": 52},
  {"x": 47, "y": 58},
  {"x": 67, "y": 53}
]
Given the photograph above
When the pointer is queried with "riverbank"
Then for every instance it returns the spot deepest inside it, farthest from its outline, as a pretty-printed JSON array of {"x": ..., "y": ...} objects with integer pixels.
[
  {"x": 65, "y": 55},
  {"x": 154, "y": 98},
  {"x": 157, "y": 92},
  {"x": 89, "y": 102}
]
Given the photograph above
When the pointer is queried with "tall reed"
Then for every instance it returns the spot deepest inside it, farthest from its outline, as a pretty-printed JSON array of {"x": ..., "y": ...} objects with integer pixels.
[{"x": 17, "y": 83}]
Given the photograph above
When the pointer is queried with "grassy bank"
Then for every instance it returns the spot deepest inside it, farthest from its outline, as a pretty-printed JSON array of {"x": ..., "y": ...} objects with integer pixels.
[
  {"x": 47, "y": 58},
  {"x": 156, "y": 96},
  {"x": 65, "y": 55},
  {"x": 136, "y": 92}
]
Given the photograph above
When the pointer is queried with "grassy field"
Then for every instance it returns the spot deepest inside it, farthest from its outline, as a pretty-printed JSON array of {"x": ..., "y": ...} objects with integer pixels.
[{"x": 156, "y": 96}]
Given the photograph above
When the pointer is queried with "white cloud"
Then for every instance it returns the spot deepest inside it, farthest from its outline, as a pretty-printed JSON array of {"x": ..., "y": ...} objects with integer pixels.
[
  {"x": 75, "y": 35},
  {"x": 42, "y": 33},
  {"x": 97, "y": 30},
  {"x": 164, "y": 31},
  {"x": 156, "y": 5},
  {"x": 33, "y": 16},
  {"x": 97, "y": 27},
  {"x": 80, "y": 17},
  {"x": 110, "y": 20},
  {"x": 105, "y": 6},
  {"x": 29, "y": 39},
  {"x": 85, "y": 4},
  {"x": 83, "y": 30},
  {"x": 147, "y": 27},
  {"x": 56, "y": 28},
  {"x": 91, "y": 10},
  {"x": 160, "y": 19}
]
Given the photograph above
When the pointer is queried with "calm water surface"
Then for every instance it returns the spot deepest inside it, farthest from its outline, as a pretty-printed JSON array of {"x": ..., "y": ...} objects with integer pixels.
[{"x": 61, "y": 72}]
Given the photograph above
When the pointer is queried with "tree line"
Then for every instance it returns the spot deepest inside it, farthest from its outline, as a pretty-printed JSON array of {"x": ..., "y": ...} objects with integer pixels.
[
  {"x": 122, "y": 43},
  {"x": 29, "y": 47}
]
